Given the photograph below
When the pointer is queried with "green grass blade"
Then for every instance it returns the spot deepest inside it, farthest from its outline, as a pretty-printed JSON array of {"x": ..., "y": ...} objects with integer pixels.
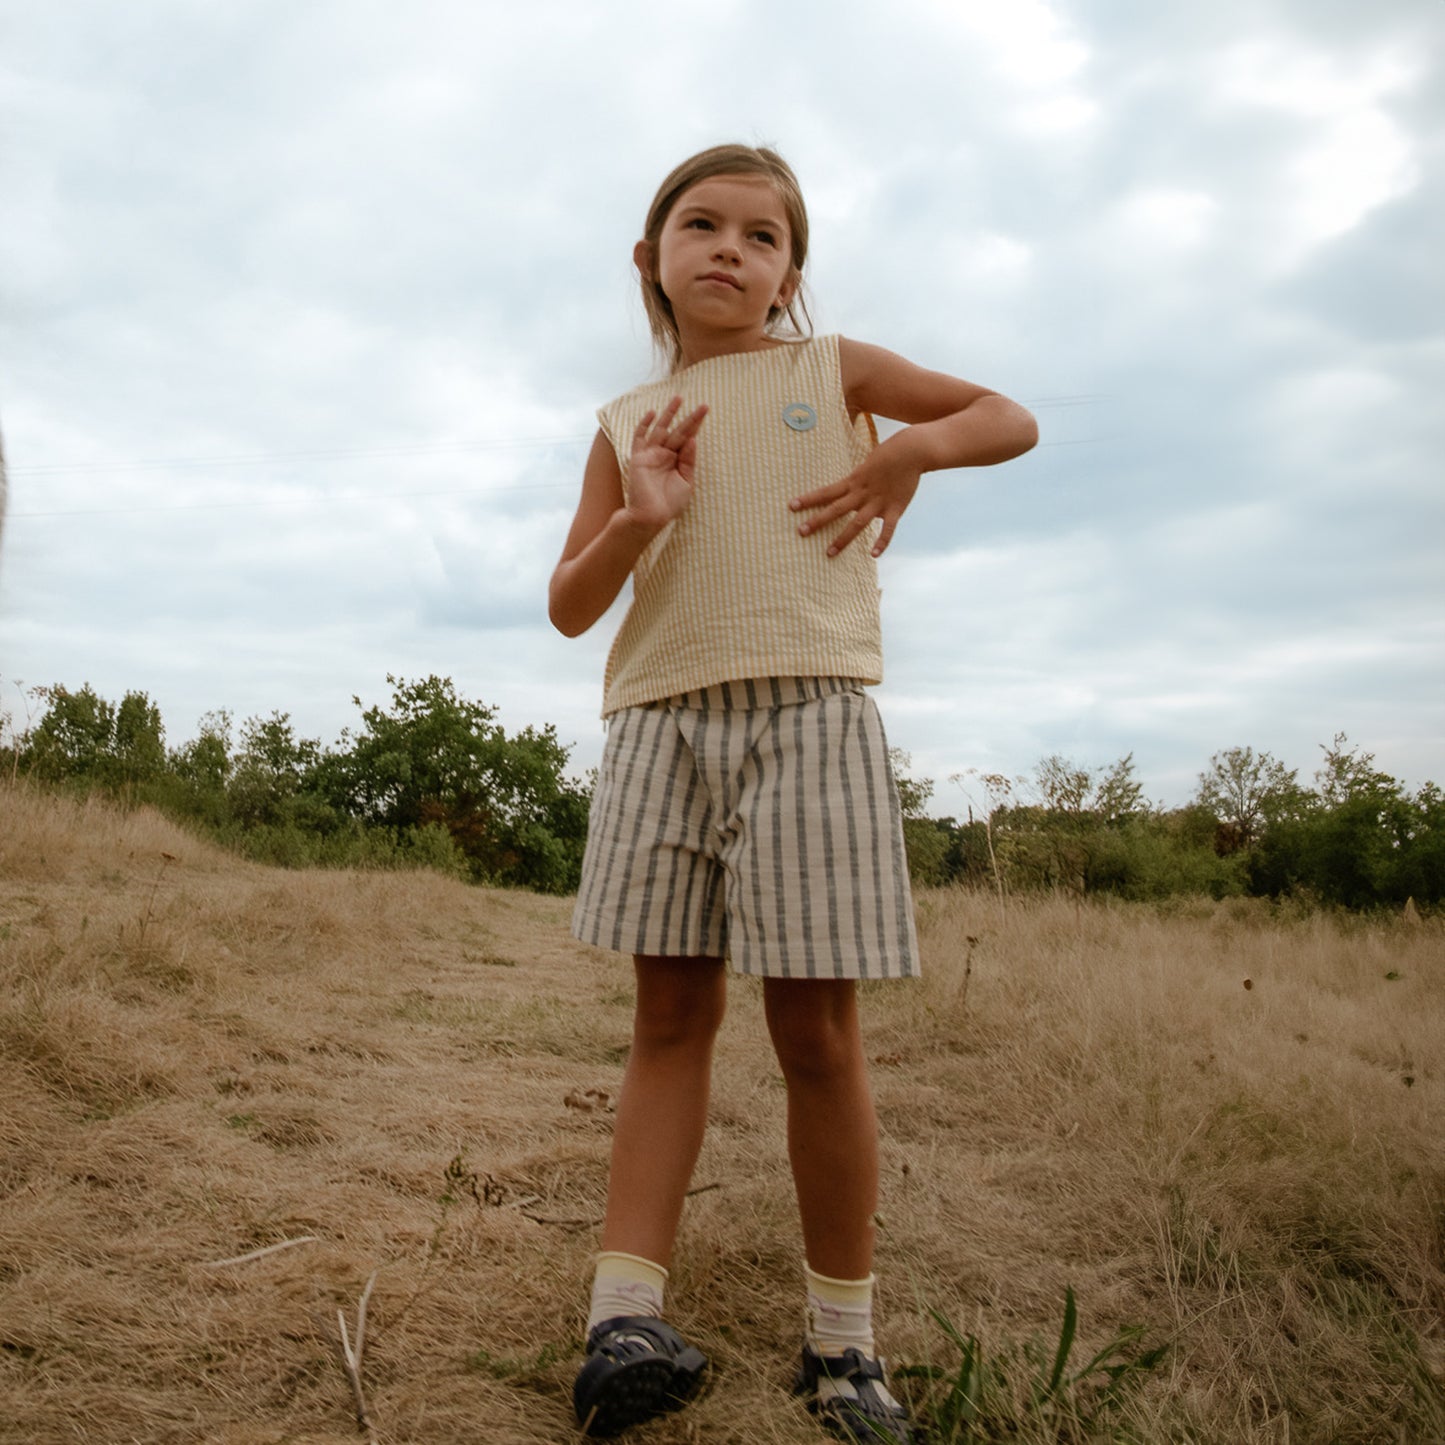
[{"x": 1066, "y": 1342}]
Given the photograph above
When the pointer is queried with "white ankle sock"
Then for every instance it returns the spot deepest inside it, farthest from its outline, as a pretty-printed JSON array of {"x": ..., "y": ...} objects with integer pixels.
[
  {"x": 840, "y": 1313},
  {"x": 625, "y": 1284}
]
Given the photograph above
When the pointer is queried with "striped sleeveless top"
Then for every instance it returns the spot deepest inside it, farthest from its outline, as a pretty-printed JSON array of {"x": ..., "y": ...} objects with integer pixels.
[{"x": 729, "y": 590}]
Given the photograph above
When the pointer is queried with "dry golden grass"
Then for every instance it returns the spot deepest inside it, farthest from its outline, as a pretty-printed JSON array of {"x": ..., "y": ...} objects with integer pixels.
[{"x": 200, "y": 1058}]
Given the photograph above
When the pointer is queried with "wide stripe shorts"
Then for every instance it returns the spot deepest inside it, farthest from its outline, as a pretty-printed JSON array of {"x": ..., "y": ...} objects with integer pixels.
[{"x": 756, "y": 821}]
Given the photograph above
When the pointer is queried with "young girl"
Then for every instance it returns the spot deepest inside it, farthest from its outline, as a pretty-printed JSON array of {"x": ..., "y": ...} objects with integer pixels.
[{"x": 745, "y": 810}]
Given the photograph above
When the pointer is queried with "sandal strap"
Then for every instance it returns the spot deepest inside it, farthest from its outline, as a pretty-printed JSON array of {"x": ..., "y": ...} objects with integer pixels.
[
  {"x": 617, "y": 1338},
  {"x": 866, "y": 1411}
]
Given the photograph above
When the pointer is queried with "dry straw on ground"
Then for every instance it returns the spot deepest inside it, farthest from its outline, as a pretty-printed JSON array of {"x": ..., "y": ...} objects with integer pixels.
[{"x": 229, "y": 1096}]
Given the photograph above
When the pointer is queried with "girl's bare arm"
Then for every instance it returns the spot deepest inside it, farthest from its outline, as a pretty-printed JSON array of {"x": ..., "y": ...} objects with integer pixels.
[
  {"x": 610, "y": 531},
  {"x": 950, "y": 423}
]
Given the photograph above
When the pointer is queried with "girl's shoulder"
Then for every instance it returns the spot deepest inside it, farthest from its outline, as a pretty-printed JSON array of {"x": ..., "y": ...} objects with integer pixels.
[{"x": 884, "y": 383}]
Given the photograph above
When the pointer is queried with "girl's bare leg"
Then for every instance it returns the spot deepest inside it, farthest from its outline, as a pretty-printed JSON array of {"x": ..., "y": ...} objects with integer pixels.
[
  {"x": 832, "y": 1126},
  {"x": 662, "y": 1112}
]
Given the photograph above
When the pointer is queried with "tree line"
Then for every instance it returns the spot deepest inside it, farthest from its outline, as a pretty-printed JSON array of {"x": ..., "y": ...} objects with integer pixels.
[
  {"x": 1355, "y": 838},
  {"x": 432, "y": 779}
]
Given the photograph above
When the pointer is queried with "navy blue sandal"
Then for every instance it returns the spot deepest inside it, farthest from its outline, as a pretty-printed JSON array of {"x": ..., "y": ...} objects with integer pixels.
[
  {"x": 636, "y": 1367},
  {"x": 847, "y": 1394}
]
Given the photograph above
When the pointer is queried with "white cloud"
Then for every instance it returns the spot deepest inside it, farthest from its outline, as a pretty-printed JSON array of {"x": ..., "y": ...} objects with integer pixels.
[
  {"x": 992, "y": 258},
  {"x": 1354, "y": 155},
  {"x": 1056, "y": 114},
  {"x": 362, "y": 274},
  {"x": 1170, "y": 216},
  {"x": 1029, "y": 41}
]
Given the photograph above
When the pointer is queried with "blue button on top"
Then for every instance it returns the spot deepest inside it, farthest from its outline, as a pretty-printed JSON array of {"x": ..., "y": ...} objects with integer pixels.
[{"x": 800, "y": 416}]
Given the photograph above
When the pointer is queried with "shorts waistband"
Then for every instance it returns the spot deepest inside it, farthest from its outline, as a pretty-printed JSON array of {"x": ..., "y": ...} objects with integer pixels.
[{"x": 750, "y": 693}]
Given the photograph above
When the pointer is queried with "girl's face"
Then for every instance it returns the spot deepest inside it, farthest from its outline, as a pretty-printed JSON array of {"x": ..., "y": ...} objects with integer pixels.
[{"x": 724, "y": 256}]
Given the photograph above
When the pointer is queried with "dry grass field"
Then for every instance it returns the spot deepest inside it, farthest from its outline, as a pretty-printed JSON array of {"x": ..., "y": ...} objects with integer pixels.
[{"x": 1219, "y": 1123}]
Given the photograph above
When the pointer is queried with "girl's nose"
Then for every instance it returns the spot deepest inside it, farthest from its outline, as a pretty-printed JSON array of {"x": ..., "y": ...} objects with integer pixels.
[{"x": 727, "y": 249}]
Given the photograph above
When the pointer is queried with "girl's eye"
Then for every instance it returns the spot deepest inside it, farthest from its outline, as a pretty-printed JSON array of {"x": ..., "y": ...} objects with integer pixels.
[
  {"x": 699, "y": 223},
  {"x": 766, "y": 237}
]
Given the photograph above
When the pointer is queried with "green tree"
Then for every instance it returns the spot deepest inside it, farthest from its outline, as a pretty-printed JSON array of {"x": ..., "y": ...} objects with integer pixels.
[
  {"x": 273, "y": 772},
  {"x": 969, "y": 858},
  {"x": 1373, "y": 843},
  {"x": 1063, "y": 786},
  {"x": 1064, "y": 826},
  {"x": 1161, "y": 854},
  {"x": 1420, "y": 863},
  {"x": 1246, "y": 791},
  {"x": 205, "y": 761},
  {"x": 73, "y": 737},
  {"x": 1354, "y": 840},
  {"x": 435, "y": 757},
  {"x": 1093, "y": 832},
  {"x": 1118, "y": 795},
  {"x": 1363, "y": 841},
  {"x": 913, "y": 793},
  {"x": 83, "y": 737},
  {"x": 925, "y": 840},
  {"x": 197, "y": 772},
  {"x": 1347, "y": 774},
  {"x": 137, "y": 752}
]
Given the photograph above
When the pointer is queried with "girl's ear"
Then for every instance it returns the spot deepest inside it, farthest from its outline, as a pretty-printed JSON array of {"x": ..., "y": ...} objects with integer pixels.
[
  {"x": 642, "y": 259},
  {"x": 787, "y": 291}
]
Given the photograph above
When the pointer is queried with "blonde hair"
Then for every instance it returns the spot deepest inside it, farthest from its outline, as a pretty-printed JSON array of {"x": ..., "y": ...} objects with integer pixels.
[{"x": 727, "y": 160}]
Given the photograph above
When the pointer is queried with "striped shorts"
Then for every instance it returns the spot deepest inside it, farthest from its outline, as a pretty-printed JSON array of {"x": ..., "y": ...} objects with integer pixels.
[{"x": 756, "y": 821}]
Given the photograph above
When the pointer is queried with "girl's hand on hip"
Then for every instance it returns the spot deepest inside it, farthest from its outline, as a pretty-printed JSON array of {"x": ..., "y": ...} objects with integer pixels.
[
  {"x": 660, "y": 474},
  {"x": 879, "y": 489}
]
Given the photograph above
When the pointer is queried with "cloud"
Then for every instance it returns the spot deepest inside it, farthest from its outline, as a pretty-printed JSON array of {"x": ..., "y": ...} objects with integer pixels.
[{"x": 308, "y": 310}]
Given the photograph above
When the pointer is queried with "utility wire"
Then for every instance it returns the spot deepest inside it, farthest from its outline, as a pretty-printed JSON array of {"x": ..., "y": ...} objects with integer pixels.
[
  {"x": 457, "y": 448},
  {"x": 448, "y": 448},
  {"x": 261, "y": 459},
  {"x": 255, "y": 503}
]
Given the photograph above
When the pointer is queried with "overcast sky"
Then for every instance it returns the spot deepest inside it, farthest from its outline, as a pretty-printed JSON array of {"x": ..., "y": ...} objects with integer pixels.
[{"x": 306, "y": 307}]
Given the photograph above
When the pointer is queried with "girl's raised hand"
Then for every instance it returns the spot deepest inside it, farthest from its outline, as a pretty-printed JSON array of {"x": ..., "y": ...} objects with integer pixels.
[
  {"x": 878, "y": 489},
  {"x": 949, "y": 423},
  {"x": 664, "y": 452}
]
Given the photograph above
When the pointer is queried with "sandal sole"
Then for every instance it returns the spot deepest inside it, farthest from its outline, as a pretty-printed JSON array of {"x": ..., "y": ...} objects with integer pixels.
[
  {"x": 627, "y": 1394},
  {"x": 855, "y": 1428}
]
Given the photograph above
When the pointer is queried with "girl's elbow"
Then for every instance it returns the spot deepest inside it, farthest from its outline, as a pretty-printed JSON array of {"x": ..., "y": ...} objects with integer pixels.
[
  {"x": 559, "y": 614},
  {"x": 570, "y": 614},
  {"x": 1028, "y": 432},
  {"x": 565, "y": 620},
  {"x": 1012, "y": 431},
  {"x": 1021, "y": 432},
  {"x": 1015, "y": 431}
]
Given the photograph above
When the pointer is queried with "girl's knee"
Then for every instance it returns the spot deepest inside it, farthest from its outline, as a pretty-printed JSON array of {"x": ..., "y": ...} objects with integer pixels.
[
  {"x": 814, "y": 1028},
  {"x": 821, "y": 1054},
  {"x": 668, "y": 1025},
  {"x": 680, "y": 1002}
]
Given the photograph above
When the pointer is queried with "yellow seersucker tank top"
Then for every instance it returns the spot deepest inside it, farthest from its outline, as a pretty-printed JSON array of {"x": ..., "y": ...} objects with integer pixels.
[{"x": 729, "y": 589}]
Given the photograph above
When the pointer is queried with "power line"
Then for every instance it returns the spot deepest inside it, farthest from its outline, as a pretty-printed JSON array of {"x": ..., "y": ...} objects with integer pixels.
[
  {"x": 260, "y": 459},
  {"x": 353, "y": 453},
  {"x": 345, "y": 498},
  {"x": 255, "y": 503},
  {"x": 448, "y": 448}
]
